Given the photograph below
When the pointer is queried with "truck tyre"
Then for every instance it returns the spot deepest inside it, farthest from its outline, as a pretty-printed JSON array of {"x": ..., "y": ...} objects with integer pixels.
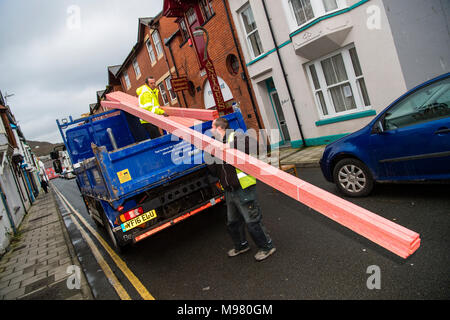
[
  {"x": 119, "y": 247},
  {"x": 353, "y": 178}
]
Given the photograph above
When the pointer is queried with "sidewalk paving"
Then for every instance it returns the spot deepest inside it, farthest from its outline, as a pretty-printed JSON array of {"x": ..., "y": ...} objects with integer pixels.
[
  {"x": 302, "y": 157},
  {"x": 36, "y": 265}
]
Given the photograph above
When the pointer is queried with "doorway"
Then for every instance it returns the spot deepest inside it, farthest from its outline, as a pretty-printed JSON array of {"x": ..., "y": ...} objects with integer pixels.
[{"x": 278, "y": 111}]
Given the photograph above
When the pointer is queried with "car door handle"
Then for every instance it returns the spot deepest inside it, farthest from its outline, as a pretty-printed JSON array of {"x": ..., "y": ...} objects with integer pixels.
[{"x": 442, "y": 131}]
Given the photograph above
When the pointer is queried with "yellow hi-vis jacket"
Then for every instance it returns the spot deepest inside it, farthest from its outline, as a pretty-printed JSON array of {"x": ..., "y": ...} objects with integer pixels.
[
  {"x": 148, "y": 100},
  {"x": 245, "y": 180}
]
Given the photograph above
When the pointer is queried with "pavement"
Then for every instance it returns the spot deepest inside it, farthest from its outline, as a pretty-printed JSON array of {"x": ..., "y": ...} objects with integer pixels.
[
  {"x": 302, "y": 157},
  {"x": 40, "y": 263}
]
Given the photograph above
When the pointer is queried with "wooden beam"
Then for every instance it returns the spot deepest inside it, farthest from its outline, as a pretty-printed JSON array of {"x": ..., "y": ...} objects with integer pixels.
[
  {"x": 199, "y": 114},
  {"x": 385, "y": 233}
]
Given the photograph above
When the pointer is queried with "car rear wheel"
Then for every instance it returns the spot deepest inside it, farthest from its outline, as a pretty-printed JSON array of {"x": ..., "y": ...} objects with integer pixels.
[{"x": 353, "y": 178}]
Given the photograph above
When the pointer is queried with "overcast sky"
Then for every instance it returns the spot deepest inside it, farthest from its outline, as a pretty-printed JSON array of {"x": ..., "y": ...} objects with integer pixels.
[{"x": 54, "y": 55}]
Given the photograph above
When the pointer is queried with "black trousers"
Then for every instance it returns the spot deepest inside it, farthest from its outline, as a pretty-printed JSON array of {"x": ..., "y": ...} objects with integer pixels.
[{"x": 152, "y": 130}]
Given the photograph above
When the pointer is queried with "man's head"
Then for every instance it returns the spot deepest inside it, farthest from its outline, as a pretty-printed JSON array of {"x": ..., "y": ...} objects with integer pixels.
[
  {"x": 150, "y": 81},
  {"x": 219, "y": 127}
]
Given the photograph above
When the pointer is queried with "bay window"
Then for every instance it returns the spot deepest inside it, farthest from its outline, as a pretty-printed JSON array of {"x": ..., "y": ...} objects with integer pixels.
[{"x": 338, "y": 83}]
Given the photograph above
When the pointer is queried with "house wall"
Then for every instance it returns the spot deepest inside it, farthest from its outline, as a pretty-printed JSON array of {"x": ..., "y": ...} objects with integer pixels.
[
  {"x": 364, "y": 25},
  {"x": 421, "y": 34}
]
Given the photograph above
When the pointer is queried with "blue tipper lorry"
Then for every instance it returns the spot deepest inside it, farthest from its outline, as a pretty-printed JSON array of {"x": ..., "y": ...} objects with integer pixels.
[{"x": 133, "y": 186}]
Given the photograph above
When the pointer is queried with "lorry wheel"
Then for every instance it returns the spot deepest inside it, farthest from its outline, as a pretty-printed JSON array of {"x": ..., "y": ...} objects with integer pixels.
[
  {"x": 353, "y": 178},
  {"x": 120, "y": 248}
]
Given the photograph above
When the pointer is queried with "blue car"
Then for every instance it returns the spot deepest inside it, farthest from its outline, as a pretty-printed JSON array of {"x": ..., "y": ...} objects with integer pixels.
[{"x": 408, "y": 141}]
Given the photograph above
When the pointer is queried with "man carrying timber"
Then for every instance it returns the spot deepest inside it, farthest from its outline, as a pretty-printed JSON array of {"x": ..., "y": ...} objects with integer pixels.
[{"x": 240, "y": 193}]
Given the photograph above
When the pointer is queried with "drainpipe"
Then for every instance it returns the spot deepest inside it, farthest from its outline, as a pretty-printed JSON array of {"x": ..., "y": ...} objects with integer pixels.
[
  {"x": 30, "y": 189},
  {"x": 21, "y": 196},
  {"x": 284, "y": 73},
  {"x": 255, "y": 111}
]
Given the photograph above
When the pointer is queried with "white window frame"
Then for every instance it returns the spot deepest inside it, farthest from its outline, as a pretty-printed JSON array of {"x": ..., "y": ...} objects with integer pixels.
[
  {"x": 352, "y": 80},
  {"x": 151, "y": 52},
  {"x": 318, "y": 8},
  {"x": 136, "y": 68},
  {"x": 157, "y": 43},
  {"x": 249, "y": 44},
  {"x": 126, "y": 79},
  {"x": 172, "y": 94},
  {"x": 163, "y": 93}
]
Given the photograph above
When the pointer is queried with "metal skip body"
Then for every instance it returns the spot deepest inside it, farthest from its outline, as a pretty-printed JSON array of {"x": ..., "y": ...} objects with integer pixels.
[{"x": 393, "y": 237}]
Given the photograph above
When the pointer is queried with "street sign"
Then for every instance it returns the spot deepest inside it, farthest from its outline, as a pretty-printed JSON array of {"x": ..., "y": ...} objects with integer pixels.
[{"x": 179, "y": 84}]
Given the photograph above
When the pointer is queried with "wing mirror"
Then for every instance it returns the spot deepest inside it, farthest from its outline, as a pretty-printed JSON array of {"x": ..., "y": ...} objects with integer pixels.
[{"x": 378, "y": 127}]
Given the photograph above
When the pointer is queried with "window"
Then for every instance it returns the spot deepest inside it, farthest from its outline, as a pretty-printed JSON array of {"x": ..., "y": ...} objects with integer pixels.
[
  {"x": 429, "y": 103},
  {"x": 191, "y": 88},
  {"x": 127, "y": 80},
  {"x": 302, "y": 10},
  {"x": 251, "y": 32},
  {"x": 191, "y": 16},
  {"x": 330, "y": 5},
  {"x": 157, "y": 43},
  {"x": 163, "y": 93},
  {"x": 136, "y": 68},
  {"x": 338, "y": 83},
  {"x": 232, "y": 64},
  {"x": 359, "y": 77},
  {"x": 172, "y": 94},
  {"x": 207, "y": 9},
  {"x": 183, "y": 30},
  {"x": 151, "y": 52},
  {"x": 306, "y": 10}
]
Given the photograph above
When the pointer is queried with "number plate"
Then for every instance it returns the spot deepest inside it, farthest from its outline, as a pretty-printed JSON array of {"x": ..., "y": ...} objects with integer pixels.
[{"x": 133, "y": 223}]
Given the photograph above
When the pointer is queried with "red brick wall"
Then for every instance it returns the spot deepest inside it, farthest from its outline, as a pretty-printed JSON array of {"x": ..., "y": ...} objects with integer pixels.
[
  {"x": 221, "y": 44},
  {"x": 160, "y": 68}
]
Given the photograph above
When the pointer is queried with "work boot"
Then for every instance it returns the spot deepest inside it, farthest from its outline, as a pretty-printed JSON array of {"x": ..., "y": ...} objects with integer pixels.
[
  {"x": 234, "y": 252},
  {"x": 263, "y": 254}
]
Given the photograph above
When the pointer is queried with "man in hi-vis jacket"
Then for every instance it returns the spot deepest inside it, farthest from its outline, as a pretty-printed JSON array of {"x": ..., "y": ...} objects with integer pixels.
[
  {"x": 240, "y": 193},
  {"x": 148, "y": 100}
]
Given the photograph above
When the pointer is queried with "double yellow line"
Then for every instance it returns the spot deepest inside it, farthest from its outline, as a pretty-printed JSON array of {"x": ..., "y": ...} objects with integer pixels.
[{"x": 101, "y": 261}]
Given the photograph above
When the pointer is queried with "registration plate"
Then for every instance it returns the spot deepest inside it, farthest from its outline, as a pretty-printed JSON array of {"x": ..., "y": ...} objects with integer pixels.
[{"x": 133, "y": 223}]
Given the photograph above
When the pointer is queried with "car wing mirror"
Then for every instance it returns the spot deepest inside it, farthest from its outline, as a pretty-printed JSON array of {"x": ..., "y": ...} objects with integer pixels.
[{"x": 378, "y": 127}]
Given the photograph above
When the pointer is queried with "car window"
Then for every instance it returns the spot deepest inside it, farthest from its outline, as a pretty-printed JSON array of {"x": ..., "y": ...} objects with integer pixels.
[{"x": 429, "y": 103}]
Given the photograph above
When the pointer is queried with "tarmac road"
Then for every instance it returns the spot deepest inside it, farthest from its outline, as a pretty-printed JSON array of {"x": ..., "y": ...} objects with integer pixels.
[{"x": 316, "y": 258}]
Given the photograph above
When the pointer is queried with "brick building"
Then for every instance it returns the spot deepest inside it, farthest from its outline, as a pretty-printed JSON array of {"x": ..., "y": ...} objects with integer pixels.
[
  {"x": 149, "y": 57},
  {"x": 223, "y": 50},
  {"x": 165, "y": 50}
]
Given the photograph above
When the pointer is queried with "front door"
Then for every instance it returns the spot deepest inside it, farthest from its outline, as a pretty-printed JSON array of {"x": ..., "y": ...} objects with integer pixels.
[{"x": 278, "y": 111}]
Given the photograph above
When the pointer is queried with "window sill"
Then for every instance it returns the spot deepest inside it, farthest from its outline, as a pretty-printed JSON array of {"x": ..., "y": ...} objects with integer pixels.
[{"x": 351, "y": 116}]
